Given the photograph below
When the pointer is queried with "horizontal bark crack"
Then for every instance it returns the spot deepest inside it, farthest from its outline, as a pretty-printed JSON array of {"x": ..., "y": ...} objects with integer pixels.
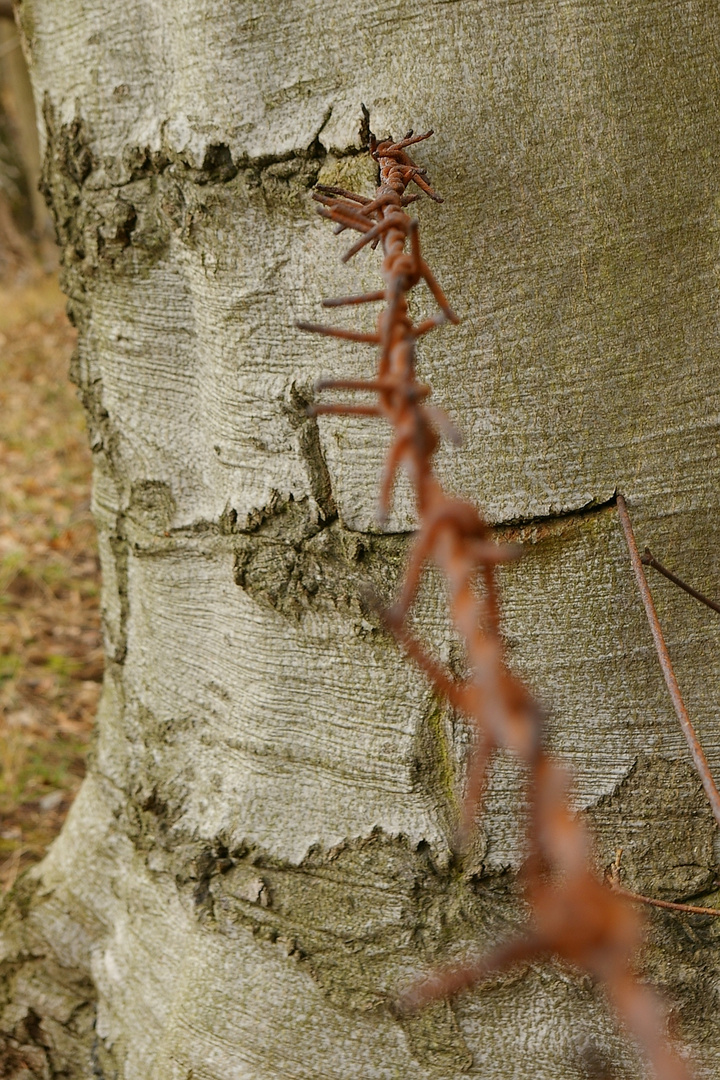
[
  {"x": 70, "y": 152},
  {"x": 534, "y": 529}
]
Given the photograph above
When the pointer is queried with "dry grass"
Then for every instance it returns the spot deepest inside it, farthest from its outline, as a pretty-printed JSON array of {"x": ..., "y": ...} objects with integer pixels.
[{"x": 50, "y": 647}]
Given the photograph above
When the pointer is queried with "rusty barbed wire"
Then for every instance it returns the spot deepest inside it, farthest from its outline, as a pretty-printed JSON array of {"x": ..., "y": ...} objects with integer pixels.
[{"x": 575, "y": 917}]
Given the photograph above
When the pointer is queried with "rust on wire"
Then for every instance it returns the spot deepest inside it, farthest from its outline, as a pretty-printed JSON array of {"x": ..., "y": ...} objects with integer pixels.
[{"x": 574, "y": 916}]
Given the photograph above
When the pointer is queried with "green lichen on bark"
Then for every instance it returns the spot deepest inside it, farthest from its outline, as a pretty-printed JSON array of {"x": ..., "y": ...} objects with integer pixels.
[{"x": 359, "y": 920}]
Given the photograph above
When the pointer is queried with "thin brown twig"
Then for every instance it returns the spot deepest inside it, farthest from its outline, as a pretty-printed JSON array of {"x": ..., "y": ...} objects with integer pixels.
[
  {"x": 648, "y": 559},
  {"x": 671, "y": 682},
  {"x": 666, "y": 905},
  {"x": 612, "y": 878}
]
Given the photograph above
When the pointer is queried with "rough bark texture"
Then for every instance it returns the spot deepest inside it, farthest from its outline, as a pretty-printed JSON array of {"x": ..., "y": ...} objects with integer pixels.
[{"x": 259, "y": 854}]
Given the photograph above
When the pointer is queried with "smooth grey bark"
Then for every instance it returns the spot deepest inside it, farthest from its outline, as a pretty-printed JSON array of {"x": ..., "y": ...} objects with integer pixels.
[{"x": 260, "y": 853}]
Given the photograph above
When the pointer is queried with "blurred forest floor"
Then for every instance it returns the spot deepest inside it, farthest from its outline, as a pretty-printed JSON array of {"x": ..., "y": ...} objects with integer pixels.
[{"x": 50, "y": 644}]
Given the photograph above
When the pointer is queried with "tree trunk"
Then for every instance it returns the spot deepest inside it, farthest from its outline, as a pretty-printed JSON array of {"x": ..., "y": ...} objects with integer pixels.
[{"x": 260, "y": 854}]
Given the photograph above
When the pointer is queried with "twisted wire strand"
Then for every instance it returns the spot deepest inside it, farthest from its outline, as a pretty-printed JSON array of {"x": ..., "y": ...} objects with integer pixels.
[{"x": 574, "y": 916}]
